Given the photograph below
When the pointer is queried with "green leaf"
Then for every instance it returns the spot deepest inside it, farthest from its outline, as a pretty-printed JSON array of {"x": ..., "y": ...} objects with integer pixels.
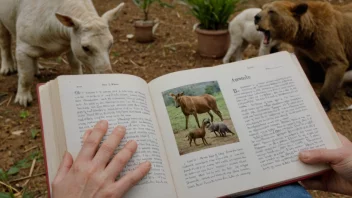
[
  {"x": 23, "y": 163},
  {"x": 24, "y": 114},
  {"x": 116, "y": 54},
  {"x": 212, "y": 14},
  {"x": 13, "y": 170},
  {"x": 58, "y": 60},
  {"x": 34, "y": 133},
  {"x": 27, "y": 194},
  {"x": 35, "y": 154},
  {"x": 6, "y": 195},
  {"x": 3, "y": 175}
]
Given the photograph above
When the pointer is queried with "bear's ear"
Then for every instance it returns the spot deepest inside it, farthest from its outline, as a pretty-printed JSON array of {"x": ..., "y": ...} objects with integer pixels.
[{"x": 299, "y": 9}]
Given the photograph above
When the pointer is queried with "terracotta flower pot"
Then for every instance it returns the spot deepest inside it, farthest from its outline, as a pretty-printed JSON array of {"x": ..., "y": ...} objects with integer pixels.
[
  {"x": 144, "y": 31},
  {"x": 213, "y": 43}
]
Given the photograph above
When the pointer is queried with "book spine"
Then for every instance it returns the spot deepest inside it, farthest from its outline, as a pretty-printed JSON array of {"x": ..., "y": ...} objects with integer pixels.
[{"x": 43, "y": 141}]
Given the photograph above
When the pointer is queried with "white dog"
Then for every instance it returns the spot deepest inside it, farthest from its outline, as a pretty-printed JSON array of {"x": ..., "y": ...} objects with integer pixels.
[{"x": 243, "y": 32}]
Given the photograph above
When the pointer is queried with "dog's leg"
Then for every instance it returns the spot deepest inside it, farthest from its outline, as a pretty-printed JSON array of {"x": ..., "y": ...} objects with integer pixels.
[
  {"x": 26, "y": 71},
  {"x": 7, "y": 64},
  {"x": 236, "y": 42},
  {"x": 264, "y": 49},
  {"x": 239, "y": 51},
  {"x": 347, "y": 79},
  {"x": 333, "y": 77},
  {"x": 76, "y": 65},
  {"x": 216, "y": 133}
]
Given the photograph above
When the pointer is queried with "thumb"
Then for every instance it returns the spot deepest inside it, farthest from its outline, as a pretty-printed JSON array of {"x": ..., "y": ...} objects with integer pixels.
[
  {"x": 312, "y": 184},
  {"x": 332, "y": 156},
  {"x": 65, "y": 166}
]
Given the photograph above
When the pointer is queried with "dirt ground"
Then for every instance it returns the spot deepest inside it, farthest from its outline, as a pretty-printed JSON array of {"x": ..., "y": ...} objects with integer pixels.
[{"x": 174, "y": 49}]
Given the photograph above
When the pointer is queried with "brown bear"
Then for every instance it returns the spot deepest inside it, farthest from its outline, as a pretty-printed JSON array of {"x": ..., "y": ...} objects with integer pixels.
[{"x": 321, "y": 34}]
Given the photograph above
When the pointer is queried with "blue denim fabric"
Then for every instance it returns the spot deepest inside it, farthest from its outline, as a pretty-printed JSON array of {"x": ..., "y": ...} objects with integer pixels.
[{"x": 289, "y": 191}]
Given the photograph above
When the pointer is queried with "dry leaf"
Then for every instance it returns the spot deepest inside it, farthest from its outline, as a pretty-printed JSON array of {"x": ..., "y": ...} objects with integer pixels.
[
  {"x": 19, "y": 132},
  {"x": 129, "y": 36}
]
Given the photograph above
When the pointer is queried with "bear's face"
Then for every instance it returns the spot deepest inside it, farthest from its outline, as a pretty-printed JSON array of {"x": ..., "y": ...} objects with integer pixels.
[{"x": 280, "y": 20}]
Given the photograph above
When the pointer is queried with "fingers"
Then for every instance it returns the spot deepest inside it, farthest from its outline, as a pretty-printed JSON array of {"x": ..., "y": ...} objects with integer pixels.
[
  {"x": 121, "y": 159},
  {"x": 108, "y": 147},
  {"x": 131, "y": 178},
  {"x": 92, "y": 142},
  {"x": 344, "y": 140},
  {"x": 86, "y": 134},
  {"x": 333, "y": 156},
  {"x": 312, "y": 184},
  {"x": 65, "y": 166}
]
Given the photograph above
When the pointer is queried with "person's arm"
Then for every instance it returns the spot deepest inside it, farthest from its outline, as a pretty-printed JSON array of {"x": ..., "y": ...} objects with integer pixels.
[
  {"x": 92, "y": 174},
  {"x": 339, "y": 179}
]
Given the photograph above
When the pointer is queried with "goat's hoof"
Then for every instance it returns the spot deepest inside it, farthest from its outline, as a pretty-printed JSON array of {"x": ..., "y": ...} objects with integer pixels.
[
  {"x": 7, "y": 70},
  {"x": 24, "y": 98}
]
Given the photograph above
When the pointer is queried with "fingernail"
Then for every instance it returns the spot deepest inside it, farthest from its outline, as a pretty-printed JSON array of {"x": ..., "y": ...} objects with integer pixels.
[
  {"x": 102, "y": 123},
  {"x": 121, "y": 129},
  {"x": 129, "y": 142},
  {"x": 147, "y": 163},
  {"x": 304, "y": 155}
]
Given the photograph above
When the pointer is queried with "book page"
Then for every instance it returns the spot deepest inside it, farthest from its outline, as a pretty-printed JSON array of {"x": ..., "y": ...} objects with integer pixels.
[
  {"x": 122, "y": 100},
  {"x": 257, "y": 115},
  {"x": 52, "y": 155}
]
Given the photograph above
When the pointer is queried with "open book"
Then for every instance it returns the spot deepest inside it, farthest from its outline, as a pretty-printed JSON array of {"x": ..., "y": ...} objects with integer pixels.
[{"x": 254, "y": 116}]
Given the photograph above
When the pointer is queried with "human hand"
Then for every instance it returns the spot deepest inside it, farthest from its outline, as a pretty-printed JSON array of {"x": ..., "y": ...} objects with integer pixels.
[
  {"x": 92, "y": 174},
  {"x": 339, "y": 179}
]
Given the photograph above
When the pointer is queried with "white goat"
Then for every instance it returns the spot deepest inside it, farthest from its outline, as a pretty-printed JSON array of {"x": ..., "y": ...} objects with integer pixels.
[
  {"x": 45, "y": 28},
  {"x": 243, "y": 32}
]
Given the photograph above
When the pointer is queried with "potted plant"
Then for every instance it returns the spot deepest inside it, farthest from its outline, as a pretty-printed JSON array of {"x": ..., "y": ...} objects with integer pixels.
[
  {"x": 144, "y": 28},
  {"x": 212, "y": 30}
]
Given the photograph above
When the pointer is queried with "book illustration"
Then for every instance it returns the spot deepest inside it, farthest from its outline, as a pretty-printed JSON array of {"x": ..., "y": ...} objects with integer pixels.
[{"x": 203, "y": 130}]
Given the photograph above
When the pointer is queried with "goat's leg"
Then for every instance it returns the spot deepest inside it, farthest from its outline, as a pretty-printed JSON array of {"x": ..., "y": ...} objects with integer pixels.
[
  {"x": 190, "y": 142},
  {"x": 195, "y": 141},
  {"x": 26, "y": 70},
  {"x": 216, "y": 133},
  {"x": 205, "y": 140},
  {"x": 196, "y": 117},
  {"x": 7, "y": 64},
  {"x": 187, "y": 116},
  {"x": 211, "y": 116}
]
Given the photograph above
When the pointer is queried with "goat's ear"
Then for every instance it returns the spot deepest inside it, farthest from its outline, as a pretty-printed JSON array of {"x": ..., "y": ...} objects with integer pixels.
[
  {"x": 181, "y": 94},
  {"x": 299, "y": 9},
  {"x": 172, "y": 95},
  {"x": 113, "y": 13},
  {"x": 67, "y": 20}
]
